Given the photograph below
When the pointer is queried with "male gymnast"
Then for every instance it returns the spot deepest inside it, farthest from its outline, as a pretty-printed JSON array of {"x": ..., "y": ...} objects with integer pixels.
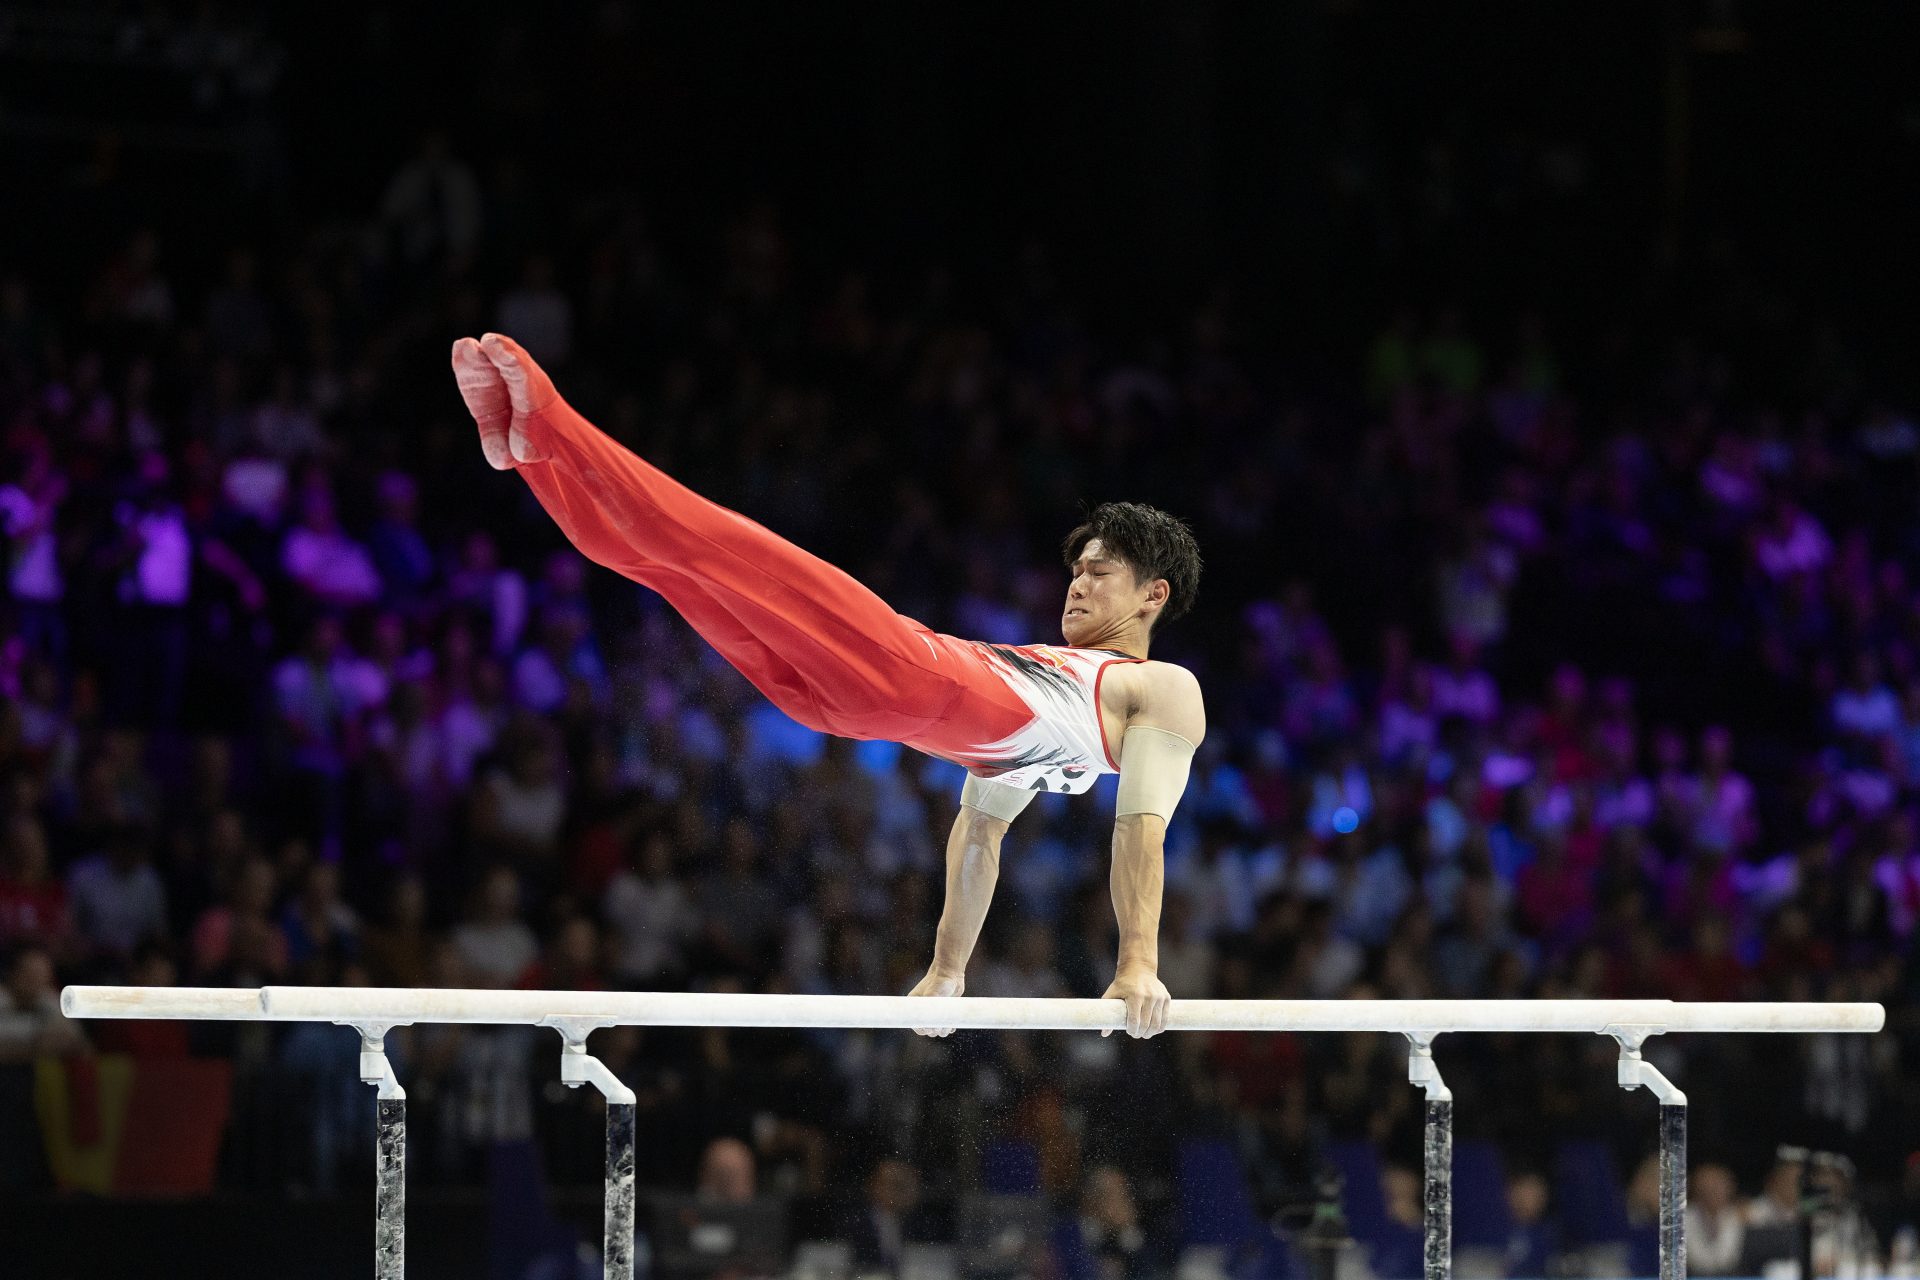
[{"x": 832, "y": 655}]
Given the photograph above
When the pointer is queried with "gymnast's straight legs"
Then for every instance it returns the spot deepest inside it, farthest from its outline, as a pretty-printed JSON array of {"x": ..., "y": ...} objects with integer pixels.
[{"x": 822, "y": 647}]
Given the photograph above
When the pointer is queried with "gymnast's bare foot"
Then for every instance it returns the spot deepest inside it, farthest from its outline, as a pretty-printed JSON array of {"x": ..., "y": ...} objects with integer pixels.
[{"x": 505, "y": 391}]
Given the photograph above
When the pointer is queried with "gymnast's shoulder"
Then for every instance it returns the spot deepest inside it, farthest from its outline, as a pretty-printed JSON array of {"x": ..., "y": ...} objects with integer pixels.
[{"x": 1160, "y": 695}]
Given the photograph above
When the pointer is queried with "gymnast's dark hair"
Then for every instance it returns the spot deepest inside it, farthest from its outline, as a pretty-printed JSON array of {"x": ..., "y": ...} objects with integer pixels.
[{"x": 1153, "y": 544}]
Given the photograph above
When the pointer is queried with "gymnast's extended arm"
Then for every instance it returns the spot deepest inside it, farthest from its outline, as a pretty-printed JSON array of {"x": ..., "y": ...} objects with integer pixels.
[
  {"x": 1163, "y": 730},
  {"x": 987, "y": 809}
]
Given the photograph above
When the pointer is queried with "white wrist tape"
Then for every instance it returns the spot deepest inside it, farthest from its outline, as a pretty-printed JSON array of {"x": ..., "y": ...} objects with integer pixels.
[
  {"x": 1153, "y": 771},
  {"x": 994, "y": 799}
]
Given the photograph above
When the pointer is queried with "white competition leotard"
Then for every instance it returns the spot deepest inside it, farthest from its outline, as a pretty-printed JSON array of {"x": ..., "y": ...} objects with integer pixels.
[{"x": 1064, "y": 747}]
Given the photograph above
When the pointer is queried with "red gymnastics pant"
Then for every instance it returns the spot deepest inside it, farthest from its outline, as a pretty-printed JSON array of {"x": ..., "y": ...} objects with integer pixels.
[{"x": 823, "y": 648}]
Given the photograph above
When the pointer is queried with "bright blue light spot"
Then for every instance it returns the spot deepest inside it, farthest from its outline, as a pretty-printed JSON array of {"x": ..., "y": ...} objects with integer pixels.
[{"x": 1345, "y": 819}]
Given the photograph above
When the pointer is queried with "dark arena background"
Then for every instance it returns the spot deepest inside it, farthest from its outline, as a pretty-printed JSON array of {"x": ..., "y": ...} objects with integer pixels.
[{"x": 1537, "y": 379}]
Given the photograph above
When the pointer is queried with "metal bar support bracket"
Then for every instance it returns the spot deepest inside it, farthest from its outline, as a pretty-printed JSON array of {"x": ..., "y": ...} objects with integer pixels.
[
  {"x": 1422, "y": 1070},
  {"x": 374, "y": 1067},
  {"x": 1635, "y": 1072},
  {"x": 578, "y": 1067}
]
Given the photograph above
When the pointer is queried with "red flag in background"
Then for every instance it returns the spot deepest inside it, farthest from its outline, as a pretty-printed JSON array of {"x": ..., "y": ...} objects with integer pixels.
[
  {"x": 175, "y": 1122},
  {"x": 116, "y": 1126}
]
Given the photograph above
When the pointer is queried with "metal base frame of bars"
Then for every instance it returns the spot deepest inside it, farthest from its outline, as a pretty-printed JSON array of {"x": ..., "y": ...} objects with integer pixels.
[{"x": 373, "y": 1012}]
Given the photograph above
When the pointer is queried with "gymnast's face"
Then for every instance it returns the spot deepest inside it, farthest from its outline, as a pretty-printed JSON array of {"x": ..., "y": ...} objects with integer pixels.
[{"x": 1102, "y": 597}]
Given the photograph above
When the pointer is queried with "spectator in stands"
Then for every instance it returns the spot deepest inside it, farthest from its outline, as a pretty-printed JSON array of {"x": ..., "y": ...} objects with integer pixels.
[
  {"x": 29, "y": 519},
  {"x": 118, "y": 899},
  {"x": 431, "y": 211},
  {"x": 1724, "y": 814},
  {"x": 495, "y": 945},
  {"x": 1474, "y": 585},
  {"x": 1778, "y": 1203},
  {"x": 539, "y": 313},
  {"x": 1535, "y": 1236},
  {"x": 520, "y": 806},
  {"x": 1326, "y": 963},
  {"x": 399, "y": 550},
  {"x": 1791, "y": 543},
  {"x": 1401, "y": 1188},
  {"x": 33, "y": 904},
  {"x": 132, "y": 289},
  {"x": 496, "y": 593},
  {"x": 727, "y": 1173},
  {"x": 888, "y": 1220},
  {"x": 239, "y": 319},
  {"x": 1027, "y": 970},
  {"x": 285, "y": 425},
  {"x": 1464, "y": 687},
  {"x": 563, "y": 654},
  {"x": 1866, "y": 709},
  {"x": 474, "y": 717},
  {"x": 236, "y": 941},
  {"x": 1186, "y": 958},
  {"x": 571, "y": 961},
  {"x": 31, "y": 1023},
  {"x": 1108, "y": 1235},
  {"x": 317, "y": 717},
  {"x": 318, "y": 925},
  {"x": 399, "y": 951},
  {"x": 324, "y": 1067},
  {"x": 318, "y": 556},
  {"x": 738, "y": 904},
  {"x": 1465, "y": 952},
  {"x": 651, "y": 916},
  {"x": 1715, "y": 1227}
]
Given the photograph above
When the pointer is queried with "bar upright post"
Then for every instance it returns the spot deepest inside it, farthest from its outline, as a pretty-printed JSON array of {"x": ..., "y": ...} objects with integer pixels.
[
  {"x": 578, "y": 1067},
  {"x": 390, "y": 1156},
  {"x": 1636, "y": 1072},
  {"x": 1437, "y": 1239},
  {"x": 1673, "y": 1191},
  {"x": 620, "y": 1191}
]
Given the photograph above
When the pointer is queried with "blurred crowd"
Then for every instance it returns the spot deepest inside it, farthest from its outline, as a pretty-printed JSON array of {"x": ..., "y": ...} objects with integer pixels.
[{"x": 1523, "y": 682}]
